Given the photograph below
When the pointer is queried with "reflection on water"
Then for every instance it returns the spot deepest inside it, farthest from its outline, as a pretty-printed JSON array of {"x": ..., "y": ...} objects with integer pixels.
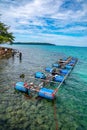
[{"x": 18, "y": 111}]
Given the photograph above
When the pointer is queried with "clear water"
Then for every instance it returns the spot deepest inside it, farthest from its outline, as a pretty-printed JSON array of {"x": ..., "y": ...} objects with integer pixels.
[{"x": 67, "y": 112}]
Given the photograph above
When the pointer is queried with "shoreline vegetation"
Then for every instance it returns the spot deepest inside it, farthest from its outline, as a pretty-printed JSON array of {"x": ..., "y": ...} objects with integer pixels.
[
  {"x": 33, "y": 43},
  {"x": 5, "y": 37}
]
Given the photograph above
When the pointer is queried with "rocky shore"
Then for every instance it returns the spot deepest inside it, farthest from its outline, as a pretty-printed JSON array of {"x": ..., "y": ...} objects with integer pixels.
[{"x": 6, "y": 52}]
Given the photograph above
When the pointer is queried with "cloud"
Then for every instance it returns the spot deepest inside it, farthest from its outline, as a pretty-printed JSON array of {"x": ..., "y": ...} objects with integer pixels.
[{"x": 58, "y": 18}]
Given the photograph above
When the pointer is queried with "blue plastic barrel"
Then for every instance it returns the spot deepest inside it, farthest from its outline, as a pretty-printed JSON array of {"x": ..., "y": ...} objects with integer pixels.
[
  {"x": 72, "y": 61},
  {"x": 49, "y": 69},
  {"x": 58, "y": 78},
  {"x": 55, "y": 65},
  {"x": 20, "y": 87},
  {"x": 46, "y": 93},
  {"x": 40, "y": 75},
  {"x": 68, "y": 66},
  {"x": 64, "y": 71}
]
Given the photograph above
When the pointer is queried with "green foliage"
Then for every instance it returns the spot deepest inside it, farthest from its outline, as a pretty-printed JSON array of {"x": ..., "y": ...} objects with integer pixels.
[{"x": 5, "y": 36}]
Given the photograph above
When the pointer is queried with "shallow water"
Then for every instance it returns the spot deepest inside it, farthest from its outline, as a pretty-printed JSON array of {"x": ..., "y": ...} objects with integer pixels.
[{"x": 67, "y": 112}]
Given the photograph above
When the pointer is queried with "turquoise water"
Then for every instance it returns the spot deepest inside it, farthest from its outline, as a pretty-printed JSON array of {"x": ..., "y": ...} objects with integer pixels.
[{"x": 67, "y": 112}]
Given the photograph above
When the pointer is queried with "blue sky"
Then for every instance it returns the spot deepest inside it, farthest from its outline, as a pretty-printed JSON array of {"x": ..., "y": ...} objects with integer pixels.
[{"x": 62, "y": 22}]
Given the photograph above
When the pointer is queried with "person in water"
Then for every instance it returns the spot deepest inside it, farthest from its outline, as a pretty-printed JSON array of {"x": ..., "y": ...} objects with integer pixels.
[
  {"x": 55, "y": 71},
  {"x": 20, "y": 56},
  {"x": 62, "y": 62}
]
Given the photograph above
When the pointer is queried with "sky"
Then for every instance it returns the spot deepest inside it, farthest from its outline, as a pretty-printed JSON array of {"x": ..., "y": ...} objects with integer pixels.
[{"x": 60, "y": 22}]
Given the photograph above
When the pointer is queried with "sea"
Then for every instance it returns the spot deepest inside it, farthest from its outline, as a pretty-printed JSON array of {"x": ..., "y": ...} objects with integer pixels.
[{"x": 19, "y": 111}]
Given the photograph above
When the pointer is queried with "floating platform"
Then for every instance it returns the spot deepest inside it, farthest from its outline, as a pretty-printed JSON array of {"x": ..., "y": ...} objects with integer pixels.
[{"x": 57, "y": 75}]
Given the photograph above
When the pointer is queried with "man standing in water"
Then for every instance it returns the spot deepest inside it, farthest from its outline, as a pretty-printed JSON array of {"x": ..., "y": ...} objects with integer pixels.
[{"x": 20, "y": 56}]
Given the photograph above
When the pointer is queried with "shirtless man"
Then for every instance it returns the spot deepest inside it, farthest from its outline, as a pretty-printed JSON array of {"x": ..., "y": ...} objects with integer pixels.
[{"x": 62, "y": 63}]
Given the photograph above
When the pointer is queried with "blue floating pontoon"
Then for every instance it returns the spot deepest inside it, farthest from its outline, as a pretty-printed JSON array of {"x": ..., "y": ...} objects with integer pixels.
[
  {"x": 68, "y": 66},
  {"x": 64, "y": 71},
  {"x": 40, "y": 75},
  {"x": 55, "y": 65},
  {"x": 46, "y": 93},
  {"x": 58, "y": 78},
  {"x": 49, "y": 69},
  {"x": 20, "y": 87}
]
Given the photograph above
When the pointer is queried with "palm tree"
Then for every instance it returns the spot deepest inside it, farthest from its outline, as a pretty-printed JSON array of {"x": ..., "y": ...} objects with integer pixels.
[{"x": 5, "y": 36}]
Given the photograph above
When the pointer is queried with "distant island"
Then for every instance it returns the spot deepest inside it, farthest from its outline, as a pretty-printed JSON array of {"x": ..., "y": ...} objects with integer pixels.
[{"x": 33, "y": 43}]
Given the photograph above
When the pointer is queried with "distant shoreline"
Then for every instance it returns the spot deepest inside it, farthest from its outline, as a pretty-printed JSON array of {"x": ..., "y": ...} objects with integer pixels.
[{"x": 33, "y": 43}]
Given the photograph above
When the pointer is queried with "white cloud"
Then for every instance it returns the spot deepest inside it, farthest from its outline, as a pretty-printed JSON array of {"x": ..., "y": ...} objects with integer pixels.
[
  {"x": 31, "y": 16},
  {"x": 47, "y": 9}
]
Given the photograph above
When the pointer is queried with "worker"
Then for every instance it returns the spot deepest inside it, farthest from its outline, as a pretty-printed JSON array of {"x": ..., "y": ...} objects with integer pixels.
[
  {"x": 20, "y": 56},
  {"x": 62, "y": 62},
  {"x": 56, "y": 71}
]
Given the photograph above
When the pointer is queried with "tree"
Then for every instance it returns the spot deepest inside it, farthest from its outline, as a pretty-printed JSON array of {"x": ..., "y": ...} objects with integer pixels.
[{"x": 5, "y": 36}]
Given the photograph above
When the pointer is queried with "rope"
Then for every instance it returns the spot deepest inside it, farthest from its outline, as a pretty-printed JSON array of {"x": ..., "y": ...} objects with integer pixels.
[{"x": 55, "y": 115}]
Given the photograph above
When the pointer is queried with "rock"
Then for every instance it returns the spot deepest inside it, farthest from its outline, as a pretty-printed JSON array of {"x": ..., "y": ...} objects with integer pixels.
[
  {"x": 39, "y": 120},
  {"x": 9, "y": 109},
  {"x": 22, "y": 76},
  {"x": 43, "y": 127},
  {"x": 5, "y": 52},
  {"x": 26, "y": 125},
  {"x": 33, "y": 108}
]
